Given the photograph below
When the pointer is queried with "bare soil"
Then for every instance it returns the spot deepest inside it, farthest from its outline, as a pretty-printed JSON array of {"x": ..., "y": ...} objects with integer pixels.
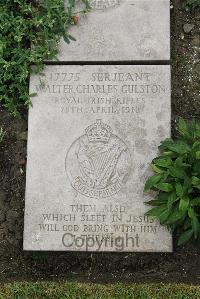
[{"x": 183, "y": 265}]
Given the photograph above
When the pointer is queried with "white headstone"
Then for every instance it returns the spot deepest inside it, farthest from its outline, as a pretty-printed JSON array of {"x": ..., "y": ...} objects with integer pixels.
[
  {"x": 93, "y": 131},
  {"x": 120, "y": 30}
]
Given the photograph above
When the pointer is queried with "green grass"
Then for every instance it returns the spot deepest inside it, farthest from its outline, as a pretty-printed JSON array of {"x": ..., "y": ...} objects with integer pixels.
[{"x": 72, "y": 290}]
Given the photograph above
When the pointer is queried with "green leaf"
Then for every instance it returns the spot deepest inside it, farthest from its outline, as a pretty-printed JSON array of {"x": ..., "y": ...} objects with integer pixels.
[
  {"x": 187, "y": 223},
  {"x": 179, "y": 147},
  {"x": 196, "y": 145},
  {"x": 156, "y": 169},
  {"x": 177, "y": 172},
  {"x": 185, "y": 237},
  {"x": 178, "y": 162},
  {"x": 196, "y": 167},
  {"x": 165, "y": 143},
  {"x": 195, "y": 226},
  {"x": 194, "y": 221},
  {"x": 172, "y": 198},
  {"x": 162, "y": 196},
  {"x": 164, "y": 216},
  {"x": 198, "y": 155},
  {"x": 33, "y": 94},
  {"x": 175, "y": 216},
  {"x": 191, "y": 213},
  {"x": 195, "y": 201},
  {"x": 166, "y": 187},
  {"x": 165, "y": 175},
  {"x": 184, "y": 203},
  {"x": 183, "y": 128},
  {"x": 187, "y": 184},
  {"x": 179, "y": 190},
  {"x": 163, "y": 162},
  {"x": 168, "y": 153},
  {"x": 154, "y": 203},
  {"x": 197, "y": 130},
  {"x": 196, "y": 182},
  {"x": 152, "y": 181},
  {"x": 156, "y": 212}
]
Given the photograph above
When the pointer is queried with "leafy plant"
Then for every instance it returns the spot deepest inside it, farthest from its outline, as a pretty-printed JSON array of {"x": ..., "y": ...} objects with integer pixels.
[
  {"x": 29, "y": 34},
  {"x": 177, "y": 182},
  {"x": 2, "y": 134},
  {"x": 190, "y": 4}
]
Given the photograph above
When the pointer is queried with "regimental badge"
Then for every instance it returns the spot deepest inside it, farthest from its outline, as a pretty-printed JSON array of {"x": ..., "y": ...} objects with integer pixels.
[{"x": 98, "y": 163}]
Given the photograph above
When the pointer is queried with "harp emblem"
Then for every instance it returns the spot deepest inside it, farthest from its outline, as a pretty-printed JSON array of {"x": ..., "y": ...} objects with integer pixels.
[{"x": 101, "y": 162}]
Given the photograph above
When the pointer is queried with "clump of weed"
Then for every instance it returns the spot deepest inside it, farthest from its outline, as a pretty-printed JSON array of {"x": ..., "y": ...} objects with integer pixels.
[{"x": 29, "y": 34}]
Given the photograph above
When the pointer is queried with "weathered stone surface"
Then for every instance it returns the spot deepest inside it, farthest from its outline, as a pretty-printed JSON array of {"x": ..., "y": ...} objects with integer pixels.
[
  {"x": 121, "y": 30},
  {"x": 93, "y": 130}
]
